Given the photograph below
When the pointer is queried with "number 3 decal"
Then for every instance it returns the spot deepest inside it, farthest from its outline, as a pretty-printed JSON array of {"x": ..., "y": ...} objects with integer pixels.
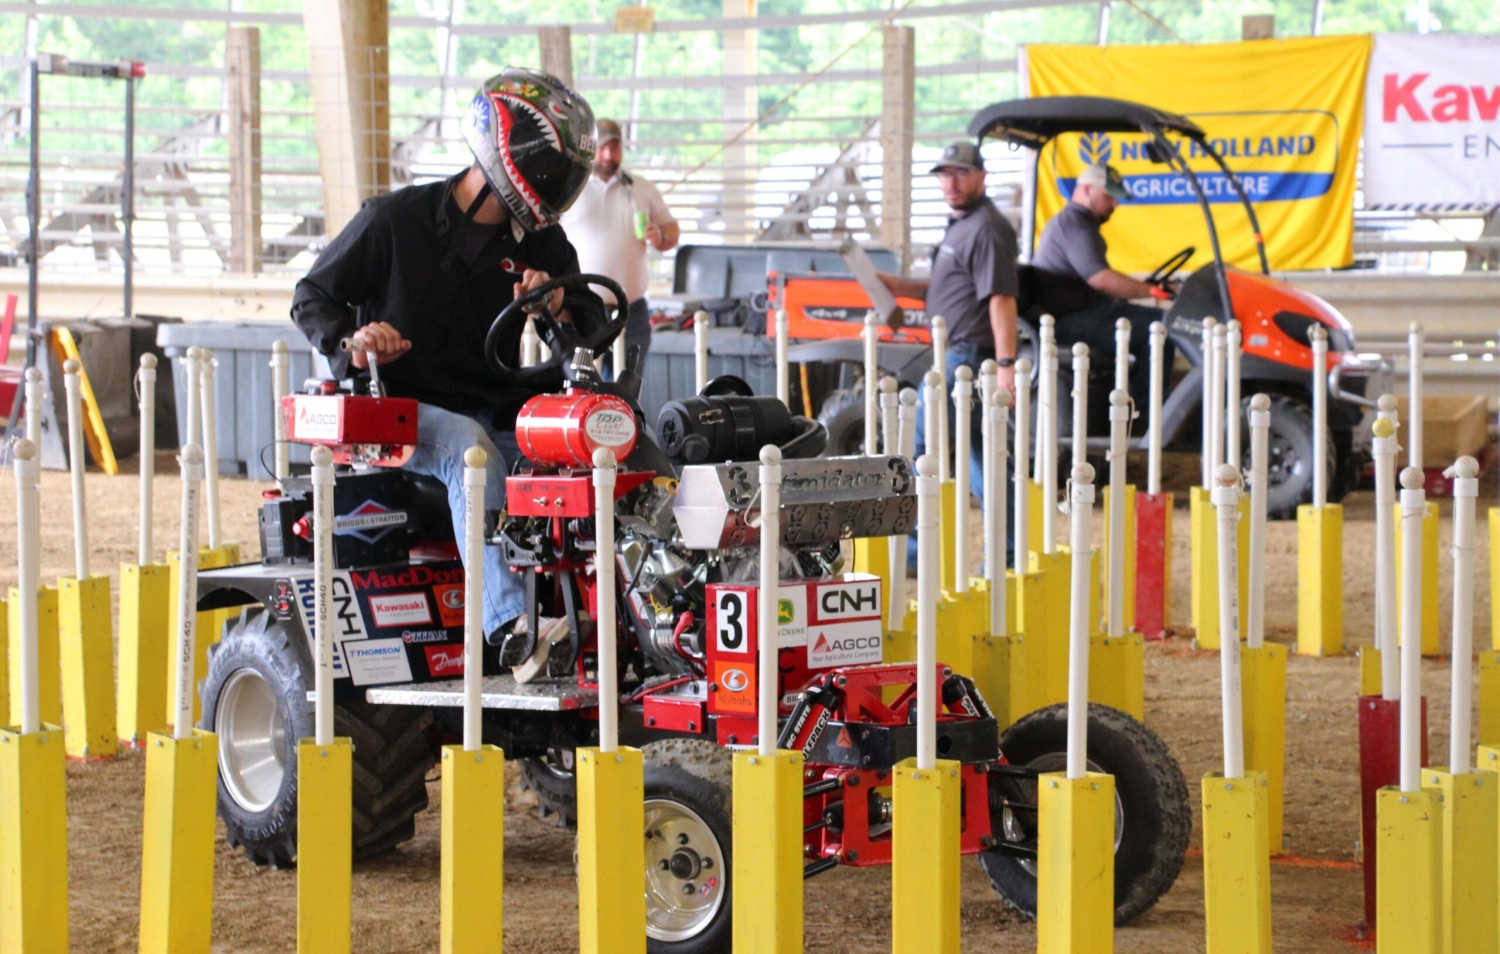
[{"x": 731, "y": 633}]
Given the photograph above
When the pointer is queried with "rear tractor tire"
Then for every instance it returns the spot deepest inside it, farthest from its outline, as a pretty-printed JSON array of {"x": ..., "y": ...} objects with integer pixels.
[{"x": 255, "y": 700}]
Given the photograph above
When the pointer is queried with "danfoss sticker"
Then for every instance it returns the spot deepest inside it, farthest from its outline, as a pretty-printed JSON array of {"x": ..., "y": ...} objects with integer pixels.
[
  {"x": 401, "y": 609},
  {"x": 609, "y": 428},
  {"x": 444, "y": 660},
  {"x": 844, "y": 644}
]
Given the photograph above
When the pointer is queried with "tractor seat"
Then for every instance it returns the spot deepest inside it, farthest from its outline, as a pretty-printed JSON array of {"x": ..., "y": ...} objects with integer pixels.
[{"x": 429, "y": 520}]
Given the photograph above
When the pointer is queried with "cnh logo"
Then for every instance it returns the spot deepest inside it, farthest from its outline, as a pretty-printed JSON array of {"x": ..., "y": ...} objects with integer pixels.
[
  {"x": 1447, "y": 103},
  {"x": 851, "y": 599}
]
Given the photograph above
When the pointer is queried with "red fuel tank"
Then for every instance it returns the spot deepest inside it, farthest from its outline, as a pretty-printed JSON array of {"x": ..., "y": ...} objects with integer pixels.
[{"x": 564, "y": 430}]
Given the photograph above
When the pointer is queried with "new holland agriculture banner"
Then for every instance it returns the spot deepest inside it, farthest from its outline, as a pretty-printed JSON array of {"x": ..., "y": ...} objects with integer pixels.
[
  {"x": 1432, "y": 121},
  {"x": 1285, "y": 114}
]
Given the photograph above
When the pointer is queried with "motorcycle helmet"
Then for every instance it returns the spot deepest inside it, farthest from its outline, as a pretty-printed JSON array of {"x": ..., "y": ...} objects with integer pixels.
[{"x": 533, "y": 137}]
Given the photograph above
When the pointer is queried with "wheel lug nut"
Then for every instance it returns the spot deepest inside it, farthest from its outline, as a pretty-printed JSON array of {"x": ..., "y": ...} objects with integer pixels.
[
  {"x": 682, "y": 839},
  {"x": 688, "y": 888},
  {"x": 663, "y": 865},
  {"x": 708, "y": 862}
]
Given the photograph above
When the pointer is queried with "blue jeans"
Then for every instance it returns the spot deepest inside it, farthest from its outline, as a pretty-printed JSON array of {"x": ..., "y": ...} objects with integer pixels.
[{"x": 442, "y": 438}]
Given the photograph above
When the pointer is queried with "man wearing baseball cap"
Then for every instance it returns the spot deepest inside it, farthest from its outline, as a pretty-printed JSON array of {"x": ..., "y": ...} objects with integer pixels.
[
  {"x": 973, "y": 282},
  {"x": 1084, "y": 295},
  {"x": 615, "y": 218}
]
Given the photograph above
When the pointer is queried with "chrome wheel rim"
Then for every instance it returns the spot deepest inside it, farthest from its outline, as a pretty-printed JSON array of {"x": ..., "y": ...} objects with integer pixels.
[
  {"x": 1017, "y": 830},
  {"x": 252, "y": 740},
  {"x": 684, "y": 872}
]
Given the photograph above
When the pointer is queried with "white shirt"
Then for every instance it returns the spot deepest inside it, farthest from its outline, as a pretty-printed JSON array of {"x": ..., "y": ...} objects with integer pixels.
[{"x": 601, "y": 226}]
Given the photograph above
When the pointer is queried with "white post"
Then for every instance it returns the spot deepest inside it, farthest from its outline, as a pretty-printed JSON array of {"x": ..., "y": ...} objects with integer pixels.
[
  {"x": 531, "y": 345},
  {"x": 475, "y": 478},
  {"x": 1216, "y": 401},
  {"x": 1232, "y": 394},
  {"x": 617, "y": 356},
  {"x": 71, "y": 381},
  {"x": 995, "y": 527},
  {"x": 322, "y": 481},
  {"x": 928, "y": 582},
  {"x": 191, "y": 460},
  {"x": 34, "y": 406},
  {"x": 963, "y": 410},
  {"x": 604, "y": 581},
  {"x": 28, "y": 520},
  {"x": 1044, "y": 395},
  {"x": 1226, "y": 495},
  {"x": 1208, "y": 402},
  {"x": 1122, "y": 355},
  {"x": 932, "y": 396},
  {"x": 1260, "y": 440},
  {"x": 1413, "y": 507},
  {"x": 1465, "y": 474},
  {"x": 1386, "y": 409},
  {"x": 700, "y": 351},
  {"x": 899, "y": 545},
  {"x": 1415, "y": 346},
  {"x": 937, "y": 438},
  {"x": 206, "y": 366},
  {"x": 1080, "y": 402},
  {"x": 1119, "y": 439},
  {"x": 987, "y": 451},
  {"x": 872, "y": 375},
  {"x": 1153, "y": 433},
  {"x": 194, "y": 412},
  {"x": 1319, "y": 337},
  {"x": 1080, "y": 510},
  {"x": 889, "y": 426},
  {"x": 1047, "y": 450},
  {"x": 1383, "y": 449},
  {"x": 770, "y": 592},
  {"x": 1022, "y": 545},
  {"x": 281, "y": 386},
  {"x": 146, "y": 384},
  {"x": 783, "y": 370}
]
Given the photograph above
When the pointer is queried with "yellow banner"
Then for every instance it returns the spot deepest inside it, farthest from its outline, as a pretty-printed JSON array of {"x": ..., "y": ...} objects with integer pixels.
[{"x": 1285, "y": 114}]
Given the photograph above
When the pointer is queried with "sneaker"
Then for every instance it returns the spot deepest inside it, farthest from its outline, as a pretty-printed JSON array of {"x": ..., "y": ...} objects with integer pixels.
[{"x": 550, "y": 632}]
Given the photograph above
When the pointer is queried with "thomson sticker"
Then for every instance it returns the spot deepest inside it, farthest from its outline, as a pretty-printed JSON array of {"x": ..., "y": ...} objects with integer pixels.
[{"x": 375, "y": 661}]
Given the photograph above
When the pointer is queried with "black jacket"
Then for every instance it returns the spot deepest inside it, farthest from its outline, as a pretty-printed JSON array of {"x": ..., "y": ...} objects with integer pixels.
[{"x": 388, "y": 264}]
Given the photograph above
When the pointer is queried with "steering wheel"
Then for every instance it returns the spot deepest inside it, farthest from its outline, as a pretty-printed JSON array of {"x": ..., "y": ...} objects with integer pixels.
[
  {"x": 1170, "y": 267},
  {"x": 502, "y": 344}
]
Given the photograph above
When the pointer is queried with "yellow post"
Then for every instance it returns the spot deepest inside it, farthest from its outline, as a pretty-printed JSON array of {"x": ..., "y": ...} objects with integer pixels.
[
  {"x": 1263, "y": 701},
  {"x": 767, "y": 875},
  {"x": 960, "y": 619},
  {"x": 1204, "y": 572},
  {"x": 873, "y": 555},
  {"x": 1495, "y": 578},
  {"x": 1075, "y": 890},
  {"x": 1320, "y": 580},
  {"x": 141, "y": 703},
  {"x": 48, "y": 661},
  {"x": 1117, "y": 673},
  {"x": 1409, "y": 879},
  {"x": 1045, "y": 620},
  {"x": 925, "y": 858},
  {"x": 946, "y": 530},
  {"x": 1010, "y": 671},
  {"x": 611, "y": 851},
  {"x": 1369, "y": 671},
  {"x": 4, "y": 662},
  {"x": 210, "y": 623},
  {"x": 325, "y": 801},
  {"x": 1035, "y": 504},
  {"x": 1430, "y": 602},
  {"x": 177, "y": 854},
  {"x": 1470, "y": 863},
  {"x": 1489, "y": 697},
  {"x": 1129, "y": 552},
  {"x": 1236, "y": 864},
  {"x": 473, "y": 844},
  {"x": 33, "y": 842},
  {"x": 86, "y": 636}
]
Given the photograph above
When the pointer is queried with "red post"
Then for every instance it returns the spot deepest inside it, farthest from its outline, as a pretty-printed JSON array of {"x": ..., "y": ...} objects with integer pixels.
[
  {"x": 1379, "y": 767},
  {"x": 1153, "y": 564}
]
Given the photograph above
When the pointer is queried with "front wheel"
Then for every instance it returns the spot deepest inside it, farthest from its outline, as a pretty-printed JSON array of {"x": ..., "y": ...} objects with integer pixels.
[
  {"x": 688, "y": 847},
  {"x": 1153, "y": 815}
]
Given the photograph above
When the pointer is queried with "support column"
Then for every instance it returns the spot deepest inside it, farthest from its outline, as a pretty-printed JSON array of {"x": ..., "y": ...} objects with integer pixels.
[
  {"x": 740, "y": 110},
  {"x": 348, "y": 65},
  {"x": 242, "y": 74},
  {"x": 556, "y": 44},
  {"x": 898, "y": 116}
]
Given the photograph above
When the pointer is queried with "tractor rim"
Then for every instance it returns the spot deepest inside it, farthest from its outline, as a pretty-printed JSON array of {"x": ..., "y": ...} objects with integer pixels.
[
  {"x": 1283, "y": 461},
  {"x": 1018, "y": 830},
  {"x": 252, "y": 740},
  {"x": 684, "y": 872}
]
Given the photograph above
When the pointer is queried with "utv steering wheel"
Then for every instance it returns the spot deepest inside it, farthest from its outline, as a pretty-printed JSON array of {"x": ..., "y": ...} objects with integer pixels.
[
  {"x": 502, "y": 344},
  {"x": 1170, "y": 267}
]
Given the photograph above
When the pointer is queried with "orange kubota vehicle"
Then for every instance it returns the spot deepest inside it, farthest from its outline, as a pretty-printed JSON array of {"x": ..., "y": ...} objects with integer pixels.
[{"x": 1274, "y": 315}]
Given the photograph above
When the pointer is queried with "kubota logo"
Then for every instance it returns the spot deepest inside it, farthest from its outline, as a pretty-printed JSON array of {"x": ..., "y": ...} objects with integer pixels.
[{"x": 735, "y": 680}]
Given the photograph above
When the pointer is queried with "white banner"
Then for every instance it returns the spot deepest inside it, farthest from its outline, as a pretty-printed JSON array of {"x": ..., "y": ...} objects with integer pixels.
[{"x": 1432, "y": 121}]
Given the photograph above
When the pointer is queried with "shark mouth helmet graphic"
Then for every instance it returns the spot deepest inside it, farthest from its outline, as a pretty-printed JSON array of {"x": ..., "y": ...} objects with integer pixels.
[{"x": 533, "y": 137}]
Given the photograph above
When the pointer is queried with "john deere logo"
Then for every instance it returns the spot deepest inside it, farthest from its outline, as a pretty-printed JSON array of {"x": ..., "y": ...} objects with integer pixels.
[{"x": 785, "y": 612}]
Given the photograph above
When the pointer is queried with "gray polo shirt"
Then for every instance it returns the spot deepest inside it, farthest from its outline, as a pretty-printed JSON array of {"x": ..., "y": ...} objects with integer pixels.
[
  {"x": 977, "y": 259},
  {"x": 1072, "y": 248}
]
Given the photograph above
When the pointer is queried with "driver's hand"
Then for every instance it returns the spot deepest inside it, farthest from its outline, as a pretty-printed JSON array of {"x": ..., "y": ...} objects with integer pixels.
[
  {"x": 1166, "y": 291},
  {"x": 381, "y": 338},
  {"x": 533, "y": 278},
  {"x": 1006, "y": 378}
]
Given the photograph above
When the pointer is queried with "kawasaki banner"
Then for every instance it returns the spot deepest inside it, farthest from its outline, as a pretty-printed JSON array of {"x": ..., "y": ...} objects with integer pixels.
[
  {"x": 1432, "y": 121},
  {"x": 1285, "y": 114}
]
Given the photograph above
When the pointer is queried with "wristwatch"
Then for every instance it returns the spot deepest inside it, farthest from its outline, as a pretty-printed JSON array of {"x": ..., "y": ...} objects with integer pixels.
[{"x": 1005, "y": 362}]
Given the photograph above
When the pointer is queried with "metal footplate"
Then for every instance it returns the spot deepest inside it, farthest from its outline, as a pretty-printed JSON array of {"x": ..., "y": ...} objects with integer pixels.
[{"x": 495, "y": 692}]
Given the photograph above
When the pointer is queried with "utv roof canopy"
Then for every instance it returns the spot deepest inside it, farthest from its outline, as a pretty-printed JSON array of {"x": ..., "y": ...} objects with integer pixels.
[{"x": 1034, "y": 122}]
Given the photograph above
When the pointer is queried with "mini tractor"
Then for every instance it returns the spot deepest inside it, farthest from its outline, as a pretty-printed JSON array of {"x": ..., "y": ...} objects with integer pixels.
[{"x": 686, "y": 548}]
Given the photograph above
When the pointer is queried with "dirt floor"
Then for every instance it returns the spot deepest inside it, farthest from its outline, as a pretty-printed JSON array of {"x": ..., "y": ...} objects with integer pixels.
[{"x": 1316, "y": 889}]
